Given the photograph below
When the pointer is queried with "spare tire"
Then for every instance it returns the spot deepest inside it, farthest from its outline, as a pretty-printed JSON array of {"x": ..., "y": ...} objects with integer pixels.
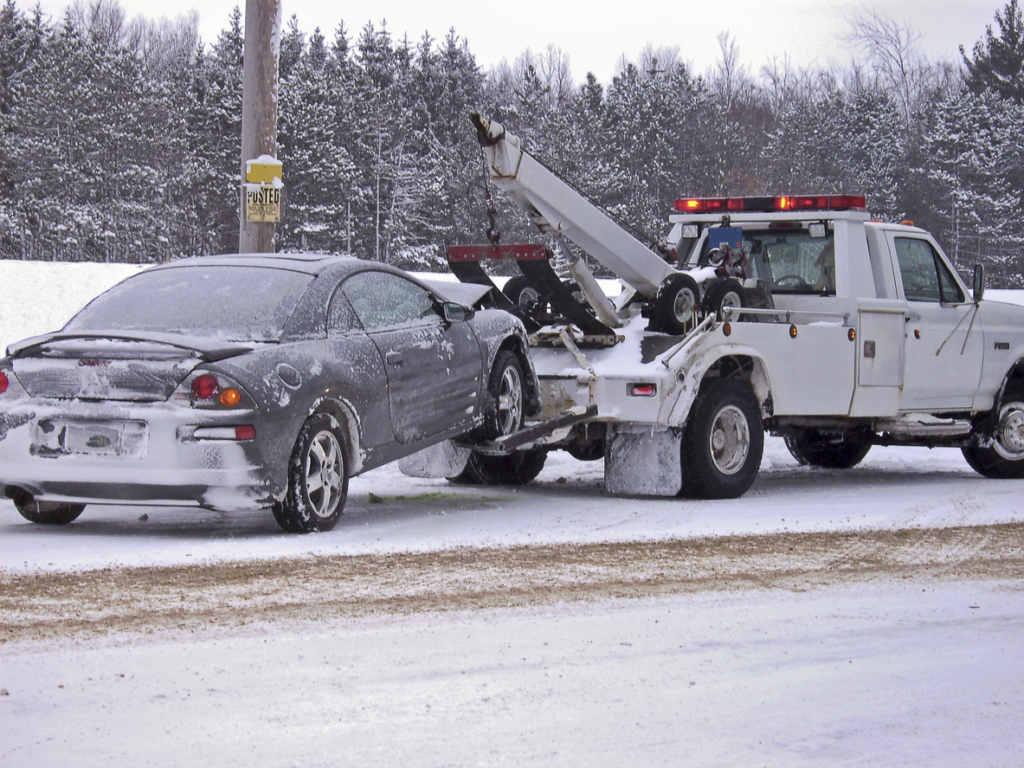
[
  {"x": 522, "y": 294},
  {"x": 676, "y": 304},
  {"x": 725, "y": 292}
]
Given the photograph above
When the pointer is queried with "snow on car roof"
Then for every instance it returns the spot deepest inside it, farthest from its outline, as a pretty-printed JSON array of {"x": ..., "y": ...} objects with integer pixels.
[{"x": 308, "y": 263}]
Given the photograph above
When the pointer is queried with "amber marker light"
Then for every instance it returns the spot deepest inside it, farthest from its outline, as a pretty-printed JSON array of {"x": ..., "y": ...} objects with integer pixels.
[
  {"x": 793, "y": 331},
  {"x": 852, "y": 334},
  {"x": 230, "y": 397},
  {"x": 727, "y": 329}
]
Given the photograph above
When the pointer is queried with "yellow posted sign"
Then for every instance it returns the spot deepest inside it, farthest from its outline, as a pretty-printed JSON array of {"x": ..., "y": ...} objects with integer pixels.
[{"x": 262, "y": 203}]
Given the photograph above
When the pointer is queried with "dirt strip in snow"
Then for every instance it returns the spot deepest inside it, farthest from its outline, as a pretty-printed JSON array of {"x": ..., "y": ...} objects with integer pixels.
[{"x": 49, "y": 607}]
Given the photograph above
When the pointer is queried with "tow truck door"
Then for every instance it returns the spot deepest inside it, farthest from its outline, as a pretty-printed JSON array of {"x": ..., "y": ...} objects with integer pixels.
[{"x": 944, "y": 345}]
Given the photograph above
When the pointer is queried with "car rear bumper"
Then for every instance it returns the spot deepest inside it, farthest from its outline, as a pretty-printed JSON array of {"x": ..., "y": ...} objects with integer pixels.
[{"x": 138, "y": 453}]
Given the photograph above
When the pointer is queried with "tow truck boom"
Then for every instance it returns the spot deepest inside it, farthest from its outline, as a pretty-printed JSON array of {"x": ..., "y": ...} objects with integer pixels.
[{"x": 557, "y": 208}]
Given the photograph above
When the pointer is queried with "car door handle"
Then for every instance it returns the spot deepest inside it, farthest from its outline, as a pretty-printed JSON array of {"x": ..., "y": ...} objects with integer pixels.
[{"x": 395, "y": 358}]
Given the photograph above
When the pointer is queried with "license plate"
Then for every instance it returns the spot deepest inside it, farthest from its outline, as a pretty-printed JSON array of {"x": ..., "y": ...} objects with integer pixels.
[
  {"x": 96, "y": 439},
  {"x": 91, "y": 438}
]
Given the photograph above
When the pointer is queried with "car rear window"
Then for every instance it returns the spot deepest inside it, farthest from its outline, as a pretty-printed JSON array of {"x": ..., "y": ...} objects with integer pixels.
[{"x": 239, "y": 303}]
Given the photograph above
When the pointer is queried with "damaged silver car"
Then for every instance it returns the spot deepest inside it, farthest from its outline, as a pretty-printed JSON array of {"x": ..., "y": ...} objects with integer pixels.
[{"x": 240, "y": 382}]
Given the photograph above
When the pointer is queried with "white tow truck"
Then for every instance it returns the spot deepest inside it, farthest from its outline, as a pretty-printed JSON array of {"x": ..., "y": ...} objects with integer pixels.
[{"x": 798, "y": 315}]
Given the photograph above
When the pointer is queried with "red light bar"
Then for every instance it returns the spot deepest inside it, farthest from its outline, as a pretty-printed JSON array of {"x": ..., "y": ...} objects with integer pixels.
[
  {"x": 771, "y": 204},
  {"x": 710, "y": 204},
  {"x": 521, "y": 252}
]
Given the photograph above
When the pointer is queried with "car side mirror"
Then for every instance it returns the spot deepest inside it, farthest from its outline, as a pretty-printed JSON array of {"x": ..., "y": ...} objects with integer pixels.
[
  {"x": 979, "y": 282},
  {"x": 455, "y": 313}
]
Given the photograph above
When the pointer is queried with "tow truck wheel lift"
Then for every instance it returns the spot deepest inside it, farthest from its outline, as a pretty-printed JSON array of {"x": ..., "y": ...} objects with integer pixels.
[{"x": 534, "y": 263}]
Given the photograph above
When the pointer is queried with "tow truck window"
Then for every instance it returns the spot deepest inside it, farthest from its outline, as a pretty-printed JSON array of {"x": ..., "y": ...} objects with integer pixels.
[
  {"x": 925, "y": 276},
  {"x": 790, "y": 261}
]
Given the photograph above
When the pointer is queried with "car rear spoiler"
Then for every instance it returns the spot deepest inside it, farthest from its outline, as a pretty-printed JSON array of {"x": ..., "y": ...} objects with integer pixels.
[{"x": 207, "y": 349}]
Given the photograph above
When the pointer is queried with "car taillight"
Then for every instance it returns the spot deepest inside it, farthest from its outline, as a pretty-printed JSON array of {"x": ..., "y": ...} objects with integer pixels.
[
  {"x": 230, "y": 397},
  {"x": 205, "y": 387},
  {"x": 4, "y": 382},
  {"x": 211, "y": 390},
  {"x": 240, "y": 433}
]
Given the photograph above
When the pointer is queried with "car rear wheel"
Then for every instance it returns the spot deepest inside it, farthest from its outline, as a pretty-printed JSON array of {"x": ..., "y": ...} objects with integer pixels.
[
  {"x": 46, "y": 512},
  {"x": 317, "y": 479}
]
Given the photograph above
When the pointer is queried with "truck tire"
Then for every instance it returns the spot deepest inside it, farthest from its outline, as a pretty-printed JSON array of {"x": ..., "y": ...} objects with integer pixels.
[
  {"x": 519, "y": 291},
  {"x": 676, "y": 304},
  {"x": 1004, "y": 458},
  {"x": 809, "y": 446},
  {"x": 517, "y": 468},
  {"x": 723, "y": 442},
  {"x": 725, "y": 292}
]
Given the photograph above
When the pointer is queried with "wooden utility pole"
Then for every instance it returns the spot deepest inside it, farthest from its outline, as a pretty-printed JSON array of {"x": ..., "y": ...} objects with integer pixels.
[{"x": 259, "y": 126}]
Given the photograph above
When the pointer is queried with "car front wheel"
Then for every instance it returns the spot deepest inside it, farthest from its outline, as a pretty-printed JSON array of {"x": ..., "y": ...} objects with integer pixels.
[
  {"x": 505, "y": 387},
  {"x": 317, "y": 479}
]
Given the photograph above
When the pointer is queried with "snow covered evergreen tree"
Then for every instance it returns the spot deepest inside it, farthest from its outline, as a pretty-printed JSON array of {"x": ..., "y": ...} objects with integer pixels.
[{"x": 998, "y": 60}]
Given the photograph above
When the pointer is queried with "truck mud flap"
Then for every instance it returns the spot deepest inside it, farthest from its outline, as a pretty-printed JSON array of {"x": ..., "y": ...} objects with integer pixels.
[{"x": 643, "y": 460}]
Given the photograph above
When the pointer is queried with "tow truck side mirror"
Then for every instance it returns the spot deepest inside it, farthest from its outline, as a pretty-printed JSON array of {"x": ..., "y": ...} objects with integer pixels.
[{"x": 979, "y": 282}]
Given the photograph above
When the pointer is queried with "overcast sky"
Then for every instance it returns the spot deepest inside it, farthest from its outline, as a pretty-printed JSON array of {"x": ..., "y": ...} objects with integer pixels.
[{"x": 809, "y": 32}]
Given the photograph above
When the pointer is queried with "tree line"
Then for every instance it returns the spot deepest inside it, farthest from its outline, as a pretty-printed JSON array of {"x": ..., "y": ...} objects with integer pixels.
[{"x": 120, "y": 139}]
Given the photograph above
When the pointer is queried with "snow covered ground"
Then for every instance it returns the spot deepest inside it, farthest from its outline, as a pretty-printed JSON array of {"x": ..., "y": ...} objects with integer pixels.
[
  {"x": 902, "y": 674},
  {"x": 889, "y": 670}
]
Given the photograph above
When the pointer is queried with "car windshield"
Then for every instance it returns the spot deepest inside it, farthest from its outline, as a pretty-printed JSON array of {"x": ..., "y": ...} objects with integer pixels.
[{"x": 237, "y": 303}]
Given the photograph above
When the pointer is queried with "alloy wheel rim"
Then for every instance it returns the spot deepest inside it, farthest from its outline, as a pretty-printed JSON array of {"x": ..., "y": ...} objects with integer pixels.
[
  {"x": 510, "y": 401},
  {"x": 324, "y": 474}
]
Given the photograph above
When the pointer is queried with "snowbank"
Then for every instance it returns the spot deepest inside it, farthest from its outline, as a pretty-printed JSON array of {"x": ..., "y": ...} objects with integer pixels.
[{"x": 41, "y": 296}]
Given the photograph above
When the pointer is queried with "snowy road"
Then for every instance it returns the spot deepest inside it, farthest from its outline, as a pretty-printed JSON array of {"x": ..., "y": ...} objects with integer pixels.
[
  {"x": 878, "y": 675},
  {"x": 872, "y": 617}
]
